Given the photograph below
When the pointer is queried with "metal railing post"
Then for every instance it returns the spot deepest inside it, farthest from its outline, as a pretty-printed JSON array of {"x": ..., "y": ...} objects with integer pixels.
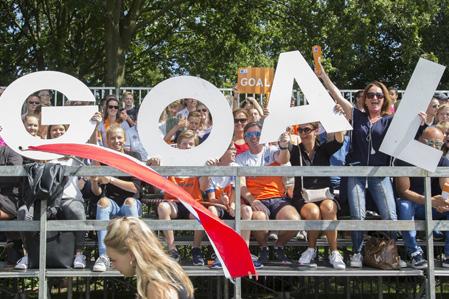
[
  {"x": 238, "y": 281},
  {"x": 43, "y": 251},
  {"x": 430, "y": 281}
]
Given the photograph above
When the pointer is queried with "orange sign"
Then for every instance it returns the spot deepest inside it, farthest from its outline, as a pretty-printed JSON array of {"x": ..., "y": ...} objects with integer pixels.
[{"x": 255, "y": 79}]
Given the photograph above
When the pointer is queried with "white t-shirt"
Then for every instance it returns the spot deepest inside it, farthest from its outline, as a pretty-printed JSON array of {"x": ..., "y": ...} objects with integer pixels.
[{"x": 264, "y": 158}]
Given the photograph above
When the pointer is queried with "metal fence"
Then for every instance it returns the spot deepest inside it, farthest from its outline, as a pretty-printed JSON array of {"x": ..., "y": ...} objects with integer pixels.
[{"x": 427, "y": 225}]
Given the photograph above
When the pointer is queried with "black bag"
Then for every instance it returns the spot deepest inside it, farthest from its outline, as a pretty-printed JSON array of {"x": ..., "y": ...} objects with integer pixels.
[
  {"x": 45, "y": 182},
  {"x": 60, "y": 249}
]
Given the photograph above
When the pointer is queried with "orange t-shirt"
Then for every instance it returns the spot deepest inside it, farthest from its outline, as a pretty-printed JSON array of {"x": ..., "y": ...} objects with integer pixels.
[
  {"x": 190, "y": 184},
  {"x": 266, "y": 187}
]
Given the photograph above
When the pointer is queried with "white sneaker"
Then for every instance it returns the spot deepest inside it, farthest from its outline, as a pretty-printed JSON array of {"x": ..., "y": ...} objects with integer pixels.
[
  {"x": 402, "y": 263},
  {"x": 22, "y": 264},
  {"x": 101, "y": 264},
  {"x": 356, "y": 260},
  {"x": 336, "y": 260},
  {"x": 307, "y": 257},
  {"x": 79, "y": 262}
]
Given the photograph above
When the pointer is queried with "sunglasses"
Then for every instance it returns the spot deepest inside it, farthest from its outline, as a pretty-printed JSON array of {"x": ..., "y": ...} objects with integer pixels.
[
  {"x": 112, "y": 107},
  {"x": 433, "y": 143},
  {"x": 371, "y": 95},
  {"x": 240, "y": 120},
  {"x": 33, "y": 103},
  {"x": 304, "y": 130},
  {"x": 252, "y": 134},
  {"x": 203, "y": 110}
]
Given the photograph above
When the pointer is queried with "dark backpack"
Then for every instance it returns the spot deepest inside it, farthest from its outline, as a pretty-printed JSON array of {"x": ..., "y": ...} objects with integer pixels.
[{"x": 45, "y": 181}]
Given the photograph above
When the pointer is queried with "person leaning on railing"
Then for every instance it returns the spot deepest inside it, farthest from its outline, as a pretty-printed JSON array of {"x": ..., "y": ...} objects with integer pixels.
[
  {"x": 310, "y": 152},
  {"x": 369, "y": 129}
]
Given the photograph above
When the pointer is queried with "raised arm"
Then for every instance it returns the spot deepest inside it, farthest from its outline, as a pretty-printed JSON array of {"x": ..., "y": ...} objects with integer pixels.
[{"x": 335, "y": 93}]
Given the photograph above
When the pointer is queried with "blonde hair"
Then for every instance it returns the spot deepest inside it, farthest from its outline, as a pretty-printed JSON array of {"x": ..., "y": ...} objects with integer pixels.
[
  {"x": 153, "y": 265},
  {"x": 115, "y": 127},
  {"x": 187, "y": 134}
]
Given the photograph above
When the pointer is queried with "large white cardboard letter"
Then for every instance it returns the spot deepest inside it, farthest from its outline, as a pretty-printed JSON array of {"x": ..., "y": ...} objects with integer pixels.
[
  {"x": 179, "y": 88},
  {"x": 399, "y": 141},
  {"x": 12, "y": 99},
  {"x": 291, "y": 66}
]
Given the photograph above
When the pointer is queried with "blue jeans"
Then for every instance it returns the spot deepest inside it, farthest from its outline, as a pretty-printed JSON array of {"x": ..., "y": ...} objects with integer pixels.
[
  {"x": 111, "y": 211},
  {"x": 409, "y": 210},
  {"x": 381, "y": 191}
]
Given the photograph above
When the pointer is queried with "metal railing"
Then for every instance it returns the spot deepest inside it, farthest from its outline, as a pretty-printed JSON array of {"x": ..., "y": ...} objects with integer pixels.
[{"x": 427, "y": 225}]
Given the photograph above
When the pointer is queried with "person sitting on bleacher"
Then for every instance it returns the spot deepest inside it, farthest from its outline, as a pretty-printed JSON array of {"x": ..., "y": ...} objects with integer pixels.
[
  {"x": 120, "y": 196},
  {"x": 172, "y": 209},
  {"x": 266, "y": 195},
  {"x": 221, "y": 191},
  {"x": 72, "y": 206},
  {"x": 410, "y": 191},
  {"x": 310, "y": 152}
]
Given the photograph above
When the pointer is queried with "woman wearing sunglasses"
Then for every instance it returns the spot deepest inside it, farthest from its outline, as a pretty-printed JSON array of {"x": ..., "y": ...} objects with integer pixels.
[
  {"x": 369, "y": 129},
  {"x": 310, "y": 152},
  {"x": 110, "y": 117},
  {"x": 240, "y": 120},
  {"x": 206, "y": 122}
]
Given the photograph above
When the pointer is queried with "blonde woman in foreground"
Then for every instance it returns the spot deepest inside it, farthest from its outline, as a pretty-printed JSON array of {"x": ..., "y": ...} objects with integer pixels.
[{"x": 134, "y": 250}]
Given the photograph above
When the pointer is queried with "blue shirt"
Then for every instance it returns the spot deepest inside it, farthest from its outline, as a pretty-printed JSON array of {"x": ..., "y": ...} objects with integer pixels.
[{"x": 366, "y": 140}]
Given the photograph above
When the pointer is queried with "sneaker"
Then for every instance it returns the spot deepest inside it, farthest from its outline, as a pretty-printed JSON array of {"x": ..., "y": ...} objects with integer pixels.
[
  {"x": 280, "y": 256},
  {"x": 79, "y": 262},
  {"x": 356, "y": 260},
  {"x": 264, "y": 255},
  {"x": 197, "y": 257},
  {"x": 301, "y": 235},
  {"x": 216, "y": 264},
  {"x": 438, "y": 235},
  {"x": 307, "y": 258},
  {"x": 418, "y": 261},
  {"x": 336, "y": 260},
  {"x": 174, "y": 254},
  {"x": 101, "y": 264},
  {"x": 445, "y": 263},
  {"x": 402, "y": 263},
  {"x": 257, "y": 264},
  {"x": 22, "y": 264},
  {"x": 273, "y": 236}
]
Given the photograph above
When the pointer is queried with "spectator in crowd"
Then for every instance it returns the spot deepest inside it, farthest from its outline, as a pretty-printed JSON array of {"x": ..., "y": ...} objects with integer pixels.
[
  {"x": 410, "y": 191},
  {"x": 10, "y": 192},
  {"x": 31, "y": 123},
  {"x": 441, "y": 97},
  {"x": 33, "y": 103},
  {"x": 168, "y": 118},
  {"x": 266, "y": 195},
  {"x": 444, "y": 127},
  {"x": 359, "y": 101},
  {"x": 431, "y": 112},
  {"x": 131, "y": 136},
  {"x": 120, "y": 196},
  {"x": 221, "y": 191},
  {"x": 240, "y": 120},
  {"x": 310, "y": 152},
  {"x": 171, "y": 209},
  {"x": 189, "y": 106},
  {"x": 442, "y": 113},
  {"x": 369, "y": 129},
  {"x": 206, "y": 122},
  {"x": 45, "y": 97},
  {"x": 192, "y": 123},
  {"x": 110, "y": 117},
  {"x": 135, "y": 251},
  {"x": 251, "y": 103},
  {"x": 72, "y": 205},
  {"x": 131, "y": 110},
  {"x": 254, "y": 115},
  {"x": 393, "y": 92}
]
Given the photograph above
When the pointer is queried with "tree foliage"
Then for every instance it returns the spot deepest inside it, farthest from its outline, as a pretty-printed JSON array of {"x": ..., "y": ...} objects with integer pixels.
[{"x": 137, "y": 42}]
